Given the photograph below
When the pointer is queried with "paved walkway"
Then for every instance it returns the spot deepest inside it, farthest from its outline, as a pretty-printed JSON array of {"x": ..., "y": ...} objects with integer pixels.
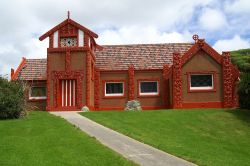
[{"x": 136, "y": 151}]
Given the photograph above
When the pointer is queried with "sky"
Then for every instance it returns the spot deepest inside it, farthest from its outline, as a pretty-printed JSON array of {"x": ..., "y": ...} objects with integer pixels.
[{"x": 224, "y": 24}]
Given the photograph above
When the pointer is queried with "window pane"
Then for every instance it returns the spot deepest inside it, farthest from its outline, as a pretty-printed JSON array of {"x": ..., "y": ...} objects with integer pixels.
[
  {"x": 148, "y": 87},
  {"x": 113, "y": 88},
  {"x": 38, "y": 91},
  {"x": 201, "y": 80}
]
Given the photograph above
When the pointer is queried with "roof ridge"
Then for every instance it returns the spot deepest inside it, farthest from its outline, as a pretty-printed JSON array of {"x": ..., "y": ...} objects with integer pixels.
[
  {"x": 145, "y": 44},
  {"x": 36, "y": 58}
]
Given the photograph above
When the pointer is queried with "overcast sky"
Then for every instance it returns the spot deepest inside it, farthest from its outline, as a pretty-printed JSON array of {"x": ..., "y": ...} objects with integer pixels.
[{"x": 224, "y": 24}]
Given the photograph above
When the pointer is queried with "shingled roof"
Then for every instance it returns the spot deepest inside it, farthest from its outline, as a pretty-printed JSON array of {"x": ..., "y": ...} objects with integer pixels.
[
  {"x": 142, "y": 56},
  {"x": 34, "y": 69},
  {"x": 116, "y": 57}
]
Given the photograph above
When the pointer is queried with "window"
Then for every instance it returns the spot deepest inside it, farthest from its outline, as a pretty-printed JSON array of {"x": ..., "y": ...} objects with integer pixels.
[
  {"x": 37, "y": 92},
  {"x": 201, "y": 82},
  {"x": 148, "y": 88},
  {"x": 114, "y": 89}
]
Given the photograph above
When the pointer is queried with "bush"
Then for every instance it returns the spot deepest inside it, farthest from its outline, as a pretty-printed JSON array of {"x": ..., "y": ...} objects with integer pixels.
[
  {"x": 244, "y": 90},
  {"x": 12, "y": 103},
  {"x": 133, "y": 105}
]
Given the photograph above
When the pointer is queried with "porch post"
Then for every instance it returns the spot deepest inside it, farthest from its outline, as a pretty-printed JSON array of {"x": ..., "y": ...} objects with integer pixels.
[
  {"x": 177, "y": 81},
  {"x": 97, "y": 89},
  {"x": 227, "y": 80},
  {"x": 131, "y": 84},
  {"x": 88, "y": 69}
]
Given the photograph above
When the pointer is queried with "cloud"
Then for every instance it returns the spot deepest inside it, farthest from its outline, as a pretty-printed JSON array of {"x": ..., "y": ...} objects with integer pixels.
[
  {"x": 139, "y": 35},
  {"x": 234, "y": 43},
  {"x": 116, "y": 22},
  {"x": 212, "y": 19},
  {"x": 239, "y": 6}
]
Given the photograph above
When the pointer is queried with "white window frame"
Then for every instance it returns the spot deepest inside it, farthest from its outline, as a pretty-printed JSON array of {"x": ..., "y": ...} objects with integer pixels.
[
  {"x": 35, "y": 98},
  {"x": 114, "y": 94},
  {"x": 204, "y": 87},
  {"x": 149, "y": 93}
]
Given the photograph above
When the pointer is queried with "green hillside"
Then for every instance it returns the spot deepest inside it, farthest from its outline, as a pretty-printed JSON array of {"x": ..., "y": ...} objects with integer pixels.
[{"x": 241, "y": 58}]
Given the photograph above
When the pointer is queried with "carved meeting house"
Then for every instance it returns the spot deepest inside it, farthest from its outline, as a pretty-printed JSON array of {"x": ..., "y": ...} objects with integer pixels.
[{"x": 78, "y": 72}]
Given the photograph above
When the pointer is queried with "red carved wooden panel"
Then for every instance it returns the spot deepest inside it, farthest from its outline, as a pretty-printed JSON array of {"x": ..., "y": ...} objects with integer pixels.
[{"x": 177, "y": 81}]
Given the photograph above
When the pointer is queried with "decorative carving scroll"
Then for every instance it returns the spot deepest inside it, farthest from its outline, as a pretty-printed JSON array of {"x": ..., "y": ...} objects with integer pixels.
[
  {"x": 227, "y": 80},
  {"x": 97, "y": 88},
  {"x": 67, "y": 60},
  {"x": 88, "y": 78},
  {"x": 177, "y": 81},
  {"x": 166, "y": 71},
  {"x": 68, "y": 30},
  {"x": 131, "y": 77},
  {"x": 48, "y": 84}
]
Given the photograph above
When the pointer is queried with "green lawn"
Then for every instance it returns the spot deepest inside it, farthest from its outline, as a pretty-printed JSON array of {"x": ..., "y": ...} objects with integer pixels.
[
  {"x": 205, "y": 137},
  {"x": 43, "y": 139}
]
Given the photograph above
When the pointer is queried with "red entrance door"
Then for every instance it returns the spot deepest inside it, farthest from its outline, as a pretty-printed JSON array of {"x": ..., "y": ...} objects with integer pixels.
[{"x": 68, "y": 93}]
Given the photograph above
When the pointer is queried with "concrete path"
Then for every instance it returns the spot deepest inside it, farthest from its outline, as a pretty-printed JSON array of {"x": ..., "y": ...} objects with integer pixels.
[{"x": 131, "y": 149}]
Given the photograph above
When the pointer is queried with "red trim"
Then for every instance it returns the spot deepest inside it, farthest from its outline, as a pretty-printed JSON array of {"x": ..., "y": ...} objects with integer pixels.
[
  {"x": 63, "y": 49},
  {"x": 217, "y": 104},
  {"x": 48, "y": 107},
  {"x": 136, "y": 70},
  {"x": 150, "y": 95},
  {"x": 88, "y": 78},
  {"x": 122, "y": 108},
  {"x": 67, "y": 60},
  {"x": 201, "y": 45},
  {"x": 76, "y": 75},
  {"x": 51, "y": 41},
  {"x": 166, "y": 71},
  {"x": 131, "y": 82},
  {"x": 15, "y": 74},
  {"x": 92, "y": 70},
  {"x": 227, "y": 80},
  {"x": 109, "y": 81},
  {"x": 177, "y": 81},
  {"x": 64, "y": 109},
  {"x": 65, "y": 22},
  {"x": 97, "y": 88},
  {"x": 213, "y": 73}
]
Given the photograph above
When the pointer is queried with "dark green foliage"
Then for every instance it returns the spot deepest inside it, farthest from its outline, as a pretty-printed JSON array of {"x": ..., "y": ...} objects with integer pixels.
[
  {"x": 244, "y": 90},
  {"x": 11, "y": 99},
  {"x": 241, "y": 58}
]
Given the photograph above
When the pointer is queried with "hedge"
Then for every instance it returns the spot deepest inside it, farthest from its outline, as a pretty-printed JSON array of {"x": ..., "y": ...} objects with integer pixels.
[
  {"x": 12, "y": 103},
  {"x": 244, "y": 90}
]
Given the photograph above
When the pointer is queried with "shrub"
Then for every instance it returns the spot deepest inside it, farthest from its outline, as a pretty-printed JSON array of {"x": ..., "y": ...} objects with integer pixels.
[
  {"x": 244, "y": 90},
  {"x": 12, "y": 103},
  {"x": 133, "y": 105}
]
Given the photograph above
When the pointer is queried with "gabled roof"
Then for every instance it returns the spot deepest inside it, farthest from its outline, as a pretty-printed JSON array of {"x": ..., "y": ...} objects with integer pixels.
[
  {"x": 201, "y": 45},
  {"x": 120, "y": 57},
  {"x": 142, "y": 56},
  {"x": 65, "y": 22},
  {"x": 33, "y": 69}
]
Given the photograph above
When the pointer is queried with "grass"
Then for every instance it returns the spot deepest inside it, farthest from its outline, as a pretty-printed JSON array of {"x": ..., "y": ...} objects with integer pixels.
[
  {"x": 43, "y": 139},
  {"x": 205, "y": 137}
]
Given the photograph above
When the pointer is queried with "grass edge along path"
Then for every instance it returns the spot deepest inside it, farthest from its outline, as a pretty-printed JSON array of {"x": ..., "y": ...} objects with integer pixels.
[
  {"x": 44, "y": 139},
  {"x": 203, "y": 136}
]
